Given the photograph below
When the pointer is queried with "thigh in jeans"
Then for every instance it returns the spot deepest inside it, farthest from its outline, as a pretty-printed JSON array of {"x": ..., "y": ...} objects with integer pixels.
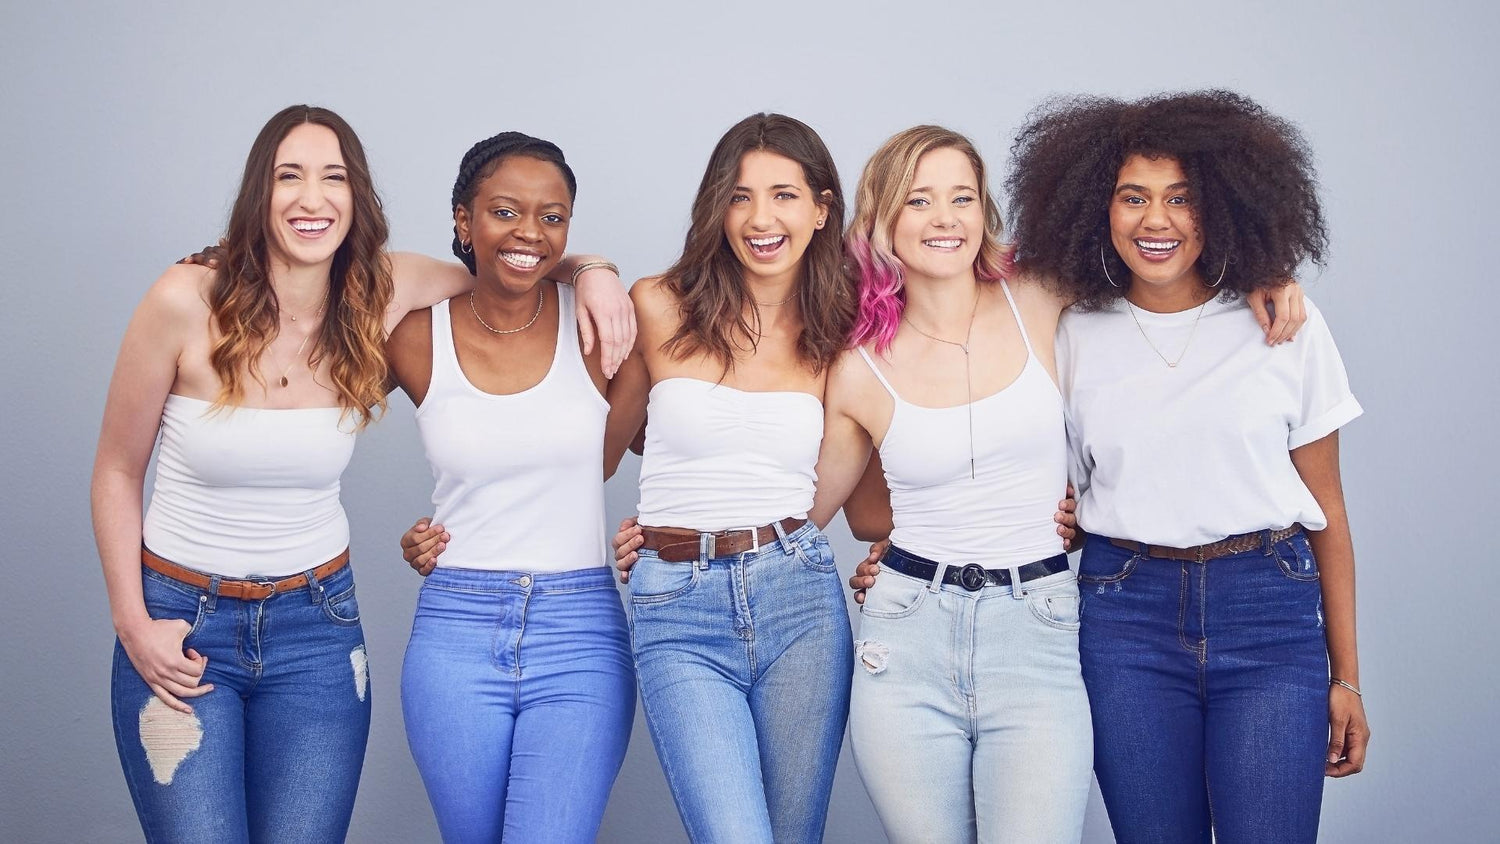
[
  {"x": 185, "y": 772},
  {"x": 308, "y": 717},
  {"x": 908, "y": 719},
  {"x": 693, "y": 672}
]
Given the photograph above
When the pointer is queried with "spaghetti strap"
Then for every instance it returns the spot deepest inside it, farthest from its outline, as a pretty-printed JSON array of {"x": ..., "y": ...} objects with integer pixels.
[
  {"x": 1017, "y": 314},
  {"x": 875, "y": 369}
]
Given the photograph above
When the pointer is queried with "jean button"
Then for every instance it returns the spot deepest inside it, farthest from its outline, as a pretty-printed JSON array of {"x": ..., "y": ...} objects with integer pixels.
[{"x": 525, "y": 580}]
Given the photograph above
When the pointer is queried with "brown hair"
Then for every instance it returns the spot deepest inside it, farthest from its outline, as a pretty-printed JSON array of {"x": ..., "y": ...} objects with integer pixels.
[
  {"x": 708, "y": 279},
  {"x": 245, "y": 309}
]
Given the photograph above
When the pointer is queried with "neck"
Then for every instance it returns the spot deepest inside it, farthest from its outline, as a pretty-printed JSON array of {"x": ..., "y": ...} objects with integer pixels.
[
  {"x": 505, "y": 305},
  {"x": 1171, "y": 298},
  {"x": 300, "y": 290},
  {"x": 943, "y": 306}
]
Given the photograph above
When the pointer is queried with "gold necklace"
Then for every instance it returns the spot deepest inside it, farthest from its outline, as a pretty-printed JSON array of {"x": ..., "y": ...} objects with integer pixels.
[
  {"x": 494, "y": 330},
  {"x": 760, "y": 304},
  {"x": 1171, "y": 364},
  {"x": 968, "y": 379},
  {"x": 300, "y": 349}
]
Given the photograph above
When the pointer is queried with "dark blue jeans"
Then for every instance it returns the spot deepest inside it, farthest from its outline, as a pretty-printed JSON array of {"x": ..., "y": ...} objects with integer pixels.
[
  {"x": 1208, "y": 684},
  {"x": 274, "y": 752}
]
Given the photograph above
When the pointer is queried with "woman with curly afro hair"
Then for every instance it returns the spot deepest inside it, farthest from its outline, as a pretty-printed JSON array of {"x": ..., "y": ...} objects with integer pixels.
[{"x": 1218, "y": 580}]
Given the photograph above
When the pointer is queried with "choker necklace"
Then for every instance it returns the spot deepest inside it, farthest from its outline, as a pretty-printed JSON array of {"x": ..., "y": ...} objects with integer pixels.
[
  {"x": 300, "y": 349},
  {"x": 968, "y": 378},
  {"x": 540, "y": 297},
  {"x": 1171, "y": 364},
  {"x": 760, "y": 304}
]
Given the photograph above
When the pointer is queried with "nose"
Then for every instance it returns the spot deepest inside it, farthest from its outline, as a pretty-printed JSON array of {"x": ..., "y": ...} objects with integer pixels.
[
  {"x": 946, "y": 216},
  {"x": 310, "y": 197},
  {"x": 528, "y": 228},
  {"x": 761, "y": 217},
  {"x": 1155, "y": 218}
]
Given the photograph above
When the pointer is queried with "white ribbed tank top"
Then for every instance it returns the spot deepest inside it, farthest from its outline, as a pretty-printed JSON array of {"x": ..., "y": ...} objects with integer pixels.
[
  {"x": 519, "y": 478},
  {"x": 717, "y": 457},
  {"x": 247, "y": 491},
  {"x": 1002, "y": 516}
]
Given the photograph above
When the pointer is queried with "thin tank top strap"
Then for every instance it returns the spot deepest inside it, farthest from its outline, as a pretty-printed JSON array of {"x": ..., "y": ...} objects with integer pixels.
[
  {"x": 878, "y": 374},
  {"x": 1016, "y": 312},
  {"x": 568, "y": 350}
]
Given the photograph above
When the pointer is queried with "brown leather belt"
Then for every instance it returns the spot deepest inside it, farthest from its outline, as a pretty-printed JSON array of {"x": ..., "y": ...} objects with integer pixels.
[
  {"x": 244, "y": 590},
  {"x": 681, "y": 545},
  {"x": 1228, "y": 546}
]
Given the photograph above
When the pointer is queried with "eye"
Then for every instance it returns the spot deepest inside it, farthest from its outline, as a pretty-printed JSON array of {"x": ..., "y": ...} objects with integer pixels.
[
  {"x": 1133, "y": 200},
  {"x": 738, "y": 198},
  {"x": 1178, "y": 200},
  {"x": 786, "y": 195},
  {"x": 336, "y": 177},
  {"x": 504, "y": 213},
  {"x": 962, "y": 200},
  {"x": 553, "y": 218},
  {"x": 287, "y": 176},
  {"x": 917, "y": 202}
]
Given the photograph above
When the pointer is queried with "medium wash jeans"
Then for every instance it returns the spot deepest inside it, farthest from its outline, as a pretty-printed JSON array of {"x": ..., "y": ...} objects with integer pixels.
[
  {"x": 1209, "y": 684},
  {"x": 969, "y": 718},
  {"x": 744, "y": 668},
  {"x": 273, "y": 753},
  {"x": 518, "y": 695}
]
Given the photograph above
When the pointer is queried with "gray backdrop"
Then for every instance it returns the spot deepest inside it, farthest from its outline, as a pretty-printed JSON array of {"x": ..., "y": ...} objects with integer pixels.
[{"x": 125, "y": 127}]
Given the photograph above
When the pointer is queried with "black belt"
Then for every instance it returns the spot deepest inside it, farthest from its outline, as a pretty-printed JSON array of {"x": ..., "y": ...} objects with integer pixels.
[{"x": 973, "y": 576}]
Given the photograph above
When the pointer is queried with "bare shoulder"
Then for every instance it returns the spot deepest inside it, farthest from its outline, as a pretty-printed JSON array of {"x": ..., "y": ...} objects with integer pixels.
[
  {"x": 850, "y": 380},
  {"x": 1036, "y": 294},
  {"x": 182, "y": 290},
  {"x": 656, "y": 305},
  {"x": 414, "y": 329}
]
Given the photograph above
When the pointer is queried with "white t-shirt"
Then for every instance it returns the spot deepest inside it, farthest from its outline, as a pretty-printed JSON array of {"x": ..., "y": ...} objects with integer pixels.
[{"x": 1188, "y": 455}]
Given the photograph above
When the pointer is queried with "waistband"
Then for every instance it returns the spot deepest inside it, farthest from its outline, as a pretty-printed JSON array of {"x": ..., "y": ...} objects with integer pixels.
[
  {"x": 505, "y": 580},
  {"x": 244, "y": 590},
  {"x": 971, "y": 576},
  {"x": 1226, "y": 547},
  {"x": 683, "y": 545}
]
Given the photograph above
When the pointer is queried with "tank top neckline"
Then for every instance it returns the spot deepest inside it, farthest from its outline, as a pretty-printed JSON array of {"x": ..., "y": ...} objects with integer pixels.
[
  {"x": 451, "y": 350},
  {"x": 237, "y": 407},
  {"x": 716, "y": 384},
  {"x": 1031, "y": 362}
]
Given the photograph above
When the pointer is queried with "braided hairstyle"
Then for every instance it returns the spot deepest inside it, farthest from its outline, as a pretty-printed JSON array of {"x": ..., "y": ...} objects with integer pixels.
[
  {"x": 1250, "y": 173},
  {"x": 480, "y": 162}
]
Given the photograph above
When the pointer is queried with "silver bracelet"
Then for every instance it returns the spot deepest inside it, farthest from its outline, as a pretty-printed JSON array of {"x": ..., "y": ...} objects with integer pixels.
[
  {"x": 1334, "y": 681},
  {"x": 594, "y": 265}
]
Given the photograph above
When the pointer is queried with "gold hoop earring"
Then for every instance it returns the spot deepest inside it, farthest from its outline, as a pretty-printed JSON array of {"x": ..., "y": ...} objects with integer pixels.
[
  {"x": 1105, "y": 267},
  {"x": 1221, "y": 273}
]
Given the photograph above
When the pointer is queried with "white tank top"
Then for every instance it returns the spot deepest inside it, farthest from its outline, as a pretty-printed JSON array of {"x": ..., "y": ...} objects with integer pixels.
[
  {"x": 1002, "y": 516},
  {"x": 519, "y": 478},
  {"x": 719, "y": 458},
  {"x": 248, "y": 491}
]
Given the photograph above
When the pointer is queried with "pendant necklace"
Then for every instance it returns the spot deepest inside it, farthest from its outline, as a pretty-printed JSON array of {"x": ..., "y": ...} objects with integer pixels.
[
  {"x": 1171, "y": 364},
  {"x": 300, "y": 349},
  {"x": 968, "y": 375}
]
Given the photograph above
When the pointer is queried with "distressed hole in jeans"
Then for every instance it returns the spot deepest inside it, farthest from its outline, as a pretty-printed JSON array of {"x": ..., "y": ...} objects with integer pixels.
[
  {"x": 361, "y": 664},
  {"x": 168, "y": 737},
  {"x": 872, "y": 655}
]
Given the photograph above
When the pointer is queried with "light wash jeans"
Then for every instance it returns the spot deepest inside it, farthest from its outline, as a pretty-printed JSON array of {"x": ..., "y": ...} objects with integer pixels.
[
  {"x": 518, "y": 695},
  {"x": 273, "y": 753},
  {"x": 968, "y": 719},
  {"x": 744, "y": 668}
]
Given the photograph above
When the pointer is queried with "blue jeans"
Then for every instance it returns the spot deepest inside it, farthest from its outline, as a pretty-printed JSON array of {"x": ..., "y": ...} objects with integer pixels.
[
  {"x": 744, "y": 668},
  {"x": 1209, "y": 686},
  {"x": 969, "y": 718},
  {"x": 274, "y": 752},
  {"x": 518, "y": 694}
]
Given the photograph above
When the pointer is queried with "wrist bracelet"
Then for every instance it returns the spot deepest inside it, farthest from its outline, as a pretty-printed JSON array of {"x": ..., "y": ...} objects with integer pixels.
[
  {"x": 1334, "y": 681},
  {"x": 594, "y": 265}
]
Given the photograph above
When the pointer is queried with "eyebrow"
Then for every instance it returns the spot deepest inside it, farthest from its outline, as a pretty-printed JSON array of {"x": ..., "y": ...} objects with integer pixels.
[
  {"x": 773, "y": 187},
  {"x": 291, "y": 166},
  {"x": 925, "y": 189},
  {"x": 511, "y": 199},
  {"x": 1142, "y": 188}
]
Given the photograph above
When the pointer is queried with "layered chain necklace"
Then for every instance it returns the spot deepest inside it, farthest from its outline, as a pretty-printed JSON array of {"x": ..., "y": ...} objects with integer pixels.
[
  {"x": 1171, "y": 364},
  {"x": 300, "y": 349},
  {"x": 540, "y": 298},
  {"x": 968, "y": 371}
]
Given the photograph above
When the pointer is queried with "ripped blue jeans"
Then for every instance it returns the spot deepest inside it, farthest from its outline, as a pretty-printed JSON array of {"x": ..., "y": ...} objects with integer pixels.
[
  {"x": 1208, "y": 684},
  {"x": 273, "y": 753}
]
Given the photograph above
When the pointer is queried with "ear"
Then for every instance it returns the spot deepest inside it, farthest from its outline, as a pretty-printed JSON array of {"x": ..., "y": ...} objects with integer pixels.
[
  {"x": 825, "y": 199},
  {"x": 461, "y": 223}
]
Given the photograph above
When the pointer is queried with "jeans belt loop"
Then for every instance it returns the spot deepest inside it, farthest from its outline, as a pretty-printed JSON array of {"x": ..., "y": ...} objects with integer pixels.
[
  {"x": 937, "y": 578},
  {"x": 314, "y": 588},
  {"x": 786, "y": 544},
  {"x": 1265, "y": 541},
  {"x": 1016, "y": 591},
  {"x": 705, "y": 550},
  {"x": 212, "y": 603}
]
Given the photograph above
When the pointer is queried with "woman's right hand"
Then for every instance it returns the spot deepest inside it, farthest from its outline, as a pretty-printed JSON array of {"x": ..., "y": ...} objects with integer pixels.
[
  {"x": 421, "y": 545},
  {"x": 155, "y": 649},
  {"x": 626, "y": 541},
  {"x": 208, "y": 256},
  {"x": 868, "y": 569}
]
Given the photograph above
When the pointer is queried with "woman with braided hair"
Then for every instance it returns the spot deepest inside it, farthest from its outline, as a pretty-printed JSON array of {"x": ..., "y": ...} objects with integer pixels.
[{"x": 518, "y": 688}]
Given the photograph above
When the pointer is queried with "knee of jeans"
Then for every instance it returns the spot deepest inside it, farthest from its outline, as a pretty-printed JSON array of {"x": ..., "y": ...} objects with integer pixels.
[
  {"x": 872, "y": 655},
  {"x": 169, "y": 737}
]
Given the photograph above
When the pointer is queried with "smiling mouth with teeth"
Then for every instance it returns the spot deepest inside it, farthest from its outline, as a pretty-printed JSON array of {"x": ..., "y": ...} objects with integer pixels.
[
  {"x": 943, "y": 244},
  {"x": 311, "y": 226},
  {"x": 1158, "y": 245},
  {"x": 766, "y": 245},
  {"x": 521, "y": 260}
]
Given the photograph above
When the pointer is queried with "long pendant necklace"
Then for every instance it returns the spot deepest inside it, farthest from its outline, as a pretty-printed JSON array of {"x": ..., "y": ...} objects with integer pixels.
[
  {"x": 1171, "y": 364},
  {"x": 968, "y": 374},
  {"x": 494, "y": 330},
  {"x": 300, "y": 349}
]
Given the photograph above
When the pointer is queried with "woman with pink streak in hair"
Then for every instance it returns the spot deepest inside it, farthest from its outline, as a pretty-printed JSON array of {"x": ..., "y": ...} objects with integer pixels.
[{"x": 969, "y": 717}]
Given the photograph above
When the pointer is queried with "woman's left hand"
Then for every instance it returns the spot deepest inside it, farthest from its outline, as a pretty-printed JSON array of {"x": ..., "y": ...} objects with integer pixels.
[
  {"x": 604, "y": 310},
  {"x": 1067, "y": 519},
  {"x": 1348, "y": 733},
  {"x": 1291, "y": 311}
]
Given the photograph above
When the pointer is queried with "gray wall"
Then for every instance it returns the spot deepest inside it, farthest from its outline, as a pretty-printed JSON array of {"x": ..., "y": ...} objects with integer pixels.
[{"x": 125, "y": 126}]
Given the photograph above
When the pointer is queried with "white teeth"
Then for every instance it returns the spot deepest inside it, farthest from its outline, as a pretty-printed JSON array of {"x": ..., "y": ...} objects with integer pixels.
[
  {"x": 1157, "y": 245},
  {"x": 943, "y": 244},
  {"x": 311, "y": 225},
  {"x": 521, "y": 259},
  {"x": 767, "y": 241}
]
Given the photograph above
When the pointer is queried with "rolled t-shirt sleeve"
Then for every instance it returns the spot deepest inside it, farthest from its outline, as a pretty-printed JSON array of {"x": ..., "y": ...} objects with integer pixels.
[{"x": 1327, "y": 402}]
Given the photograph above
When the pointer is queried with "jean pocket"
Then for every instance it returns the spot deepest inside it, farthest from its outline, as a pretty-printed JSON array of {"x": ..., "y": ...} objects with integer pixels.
[
  {"x": 816, "y": 553},
  {"x": 166, "y": 599},
  {"x": 1107, "y": 566},
  {"x": 1294, "y": 555},
  {"x": 342, "y": 609},
  {"x": 655, "y": 582},
  {"x": 894, "y": 596},
  {"x": 1057, "y": 605}
]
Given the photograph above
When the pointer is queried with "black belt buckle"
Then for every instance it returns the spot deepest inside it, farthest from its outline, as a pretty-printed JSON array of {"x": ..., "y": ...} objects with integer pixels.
[{"x": 973, "y": 577}]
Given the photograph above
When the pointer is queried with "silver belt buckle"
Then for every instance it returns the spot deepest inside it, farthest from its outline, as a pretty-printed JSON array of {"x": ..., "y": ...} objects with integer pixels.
[{"x": 754, "y": 540}]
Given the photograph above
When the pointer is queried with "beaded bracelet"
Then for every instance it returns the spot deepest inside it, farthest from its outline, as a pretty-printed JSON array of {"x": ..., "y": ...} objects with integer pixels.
[{"x": 594, "y": 265}]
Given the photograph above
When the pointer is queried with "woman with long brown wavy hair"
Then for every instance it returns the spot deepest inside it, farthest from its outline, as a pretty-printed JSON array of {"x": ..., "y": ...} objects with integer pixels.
[{"x": 234, "y": 592}]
